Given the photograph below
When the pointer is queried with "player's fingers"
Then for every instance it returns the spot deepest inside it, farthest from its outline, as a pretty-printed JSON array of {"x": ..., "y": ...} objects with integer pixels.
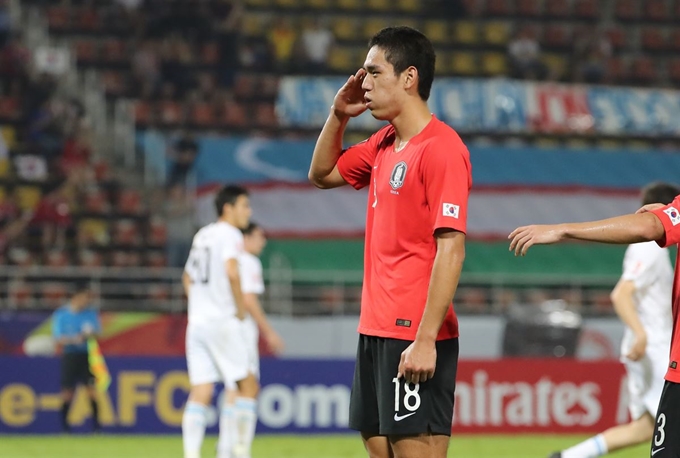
[
  {"x": 515, "y": 232},
  {"x": 424, "y": 376},
  {"x": 401, "y": 369},
  {"x": 519, "y": 241}
]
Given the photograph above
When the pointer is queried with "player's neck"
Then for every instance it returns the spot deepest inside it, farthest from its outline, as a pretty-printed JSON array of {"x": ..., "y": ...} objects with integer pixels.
[
  {"x": 226, "y": 219},
  {"x": 411, "y": 121}
]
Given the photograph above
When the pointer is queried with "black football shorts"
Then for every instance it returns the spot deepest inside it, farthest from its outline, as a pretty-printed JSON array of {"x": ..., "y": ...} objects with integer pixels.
[{"x": 381, "y": 404}]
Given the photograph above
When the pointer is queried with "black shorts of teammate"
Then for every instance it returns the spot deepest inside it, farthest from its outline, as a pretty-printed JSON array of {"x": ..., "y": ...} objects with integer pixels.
[
  {"x": 75, "y": 369},
  {"x": 666, "y": 439},
  {"x": 381, "y": 404}
]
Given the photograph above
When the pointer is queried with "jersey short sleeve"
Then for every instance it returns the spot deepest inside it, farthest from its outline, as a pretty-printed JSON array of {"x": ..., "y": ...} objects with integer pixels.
[
  {"x": 670, "y": 218},
  {"x": 447, "y": 180},
  {"x": 638, "y": 264},
  {"x": 356, "y": 162},
  {"x": 251, "y": 275},
  {"x": 232, "y": 245}
]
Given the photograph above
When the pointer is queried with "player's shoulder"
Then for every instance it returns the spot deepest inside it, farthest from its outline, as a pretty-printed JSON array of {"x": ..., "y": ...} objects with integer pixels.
[
  {"x": 444, "y": 138},
  {"x": 383, "y": 137}
]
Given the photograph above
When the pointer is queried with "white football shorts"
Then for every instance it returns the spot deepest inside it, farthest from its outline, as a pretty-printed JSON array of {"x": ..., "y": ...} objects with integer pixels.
[
  {"x": 252, "y": 338},
  {"x": 646, "y": 381},
  {"x": 217, "y": 352}
]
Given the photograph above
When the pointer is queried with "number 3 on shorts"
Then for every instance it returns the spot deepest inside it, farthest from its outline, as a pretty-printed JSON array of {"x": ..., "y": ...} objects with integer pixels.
[
  {"x": 411, "y": 396},
  {"x": 660, "y": 434}
]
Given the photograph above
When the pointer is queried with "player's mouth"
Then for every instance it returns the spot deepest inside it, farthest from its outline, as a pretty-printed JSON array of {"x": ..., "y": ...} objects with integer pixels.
[{"x": 368, "y": 102}]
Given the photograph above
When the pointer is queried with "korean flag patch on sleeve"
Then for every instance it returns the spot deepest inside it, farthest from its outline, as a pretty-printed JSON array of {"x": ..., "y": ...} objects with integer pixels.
[
  {"x": 450, "y": 210},
  {"x": 672, "y": 213}
]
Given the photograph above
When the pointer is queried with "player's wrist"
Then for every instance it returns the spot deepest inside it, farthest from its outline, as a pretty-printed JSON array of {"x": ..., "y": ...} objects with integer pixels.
[{"x": 339, "y": 114}]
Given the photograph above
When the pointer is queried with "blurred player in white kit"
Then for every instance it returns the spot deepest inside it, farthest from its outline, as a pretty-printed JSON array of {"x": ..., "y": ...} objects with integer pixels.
[{"x": 215, "y": 344}]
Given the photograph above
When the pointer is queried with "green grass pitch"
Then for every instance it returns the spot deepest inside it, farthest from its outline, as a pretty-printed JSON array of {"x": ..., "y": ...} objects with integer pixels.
[{"x": 274, "y": 446}]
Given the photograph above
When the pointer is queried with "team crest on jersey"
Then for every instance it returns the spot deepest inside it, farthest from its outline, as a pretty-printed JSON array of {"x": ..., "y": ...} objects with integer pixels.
[
  {"x": 398, "y": 175},
  {"x": 672, "y": 213}
]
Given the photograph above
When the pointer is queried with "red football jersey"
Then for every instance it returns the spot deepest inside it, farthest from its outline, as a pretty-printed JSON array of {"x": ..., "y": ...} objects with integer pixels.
[
  {"x": 412, "y": 192},
  {"x": 670, "y": 218}
]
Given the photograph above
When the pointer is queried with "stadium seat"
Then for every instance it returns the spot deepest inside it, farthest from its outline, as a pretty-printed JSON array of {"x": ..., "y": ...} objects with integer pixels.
[
  {"x": 57, "y": 258},
  {"x": 92, "y": 231},
  {"x": 499, "y": 8},
  {"x": 674, "y": 71},
  {"x": 259, "y": 3},
  {"x": 617, "y": 38},
  {"x": 90, "y": 258},
  {"x": 372, "y": 24},
  {"x": 115, "y": 51},
  {"x": 643, "y": 70},
  {"x": 465, "y": 32},
  {"x": 287, "y": 3},
  {"x": 265, "y": 115},
  {"x": 627, "y": 10},
  {"x": 674, "y": 41},
  {"x": 464, "y": 63},
  {"x": 86, "y": 51},
  {"x": 126, "y": 233},
  {"x": 88, "y": 19},
  {"x": 130, "y": 202},
  {"x": 318, "y": 4},
  {"x": 142, "y": 112},
  {"x": 202, "y": 115},
  {"x": 494, "y": 64},
  {"x": 496, "y": 33},
  {"x": 557, "y": 9},
  {"x": 345, "y": 27},
  {"x": 653, "y": 39},
  {"x": 233, "y": 115},
  {"x": 158, "y": 232},
  {"x": 586, "y": 9},
  {"x": 408, "y": 6},
  {"x": 245, "y": 86},
  {"x": 617, "y": 70},
  {"x": 171, "y": 112},
  {"x": 252, "y": 25},
  {"x": 155, "y": 259},
  {"x": 557, "y": 65},
  {"x": 378, "y": 5},
  {"x": 528, "y": 8},
  {"x": 114, "y": 83},
  {"x": 350, "y": 4},
  {"x": 20, "y": 257},
  {"x": 343, "y": 59},
  {"x": 436, "y": 30},
  {"x": 557, "y": 36},
  {"x": 97, "y": 202},
  {"x": 656, "y": 10},
  {"x": 58, "y": 18},
  {"x": 53, "y": 295},
  {"x": 269, "y": 86},
  {"x": 20, "y": 294},
  {"x": 9, "y": 108},
  {"x": 210, "y": 53},
  {"x": 27, "y": 197}
]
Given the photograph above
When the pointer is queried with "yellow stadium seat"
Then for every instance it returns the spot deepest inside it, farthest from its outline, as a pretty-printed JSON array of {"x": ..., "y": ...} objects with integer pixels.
[
  {"x": 27, "y": 197},
  {"x": 343, "y": 59},
  {"x": 9, "y": 135},
  {"x": 319, "y": 4},
  {"x": 557, "y": 65},
  {"x": 4, "y": 168},
  {"x": 374, "y": 24},
  {"x": 287, "y": 3},
  {"x": 409, "y": 6},
  {"x": 464, "y": 63},
  {"x": 437, "y": 31},
  {"x": 253, "y": 25},
  {"x": 465, "y": 32},
  {"x": 93, "y": 230},
  {"x": 378, "y": 5},
  {"x": 496, "y": 33},
  {"x": 344, "y": 27},
  {"x": 349, "y": 4},
  {"x": 258, "y": 3},
  {"x": 494, "y": 63}
]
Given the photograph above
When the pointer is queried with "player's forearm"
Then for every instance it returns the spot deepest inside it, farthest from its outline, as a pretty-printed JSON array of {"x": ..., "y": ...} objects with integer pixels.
[
  {"x": 640, "y": 227},
  {"x": 238, "y": 296},
  {"x": 448, "y": 264},
  {"x": 624, "y": 306},
  {"x": 254, "y": 308},
  {"x": 327, "y": 149},
  {"x": 186, "y": 283}
]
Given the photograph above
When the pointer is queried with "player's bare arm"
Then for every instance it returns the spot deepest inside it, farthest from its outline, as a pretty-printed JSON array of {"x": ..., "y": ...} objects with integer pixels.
[
  {"x": 418, "y": 361},
  {"x": 348, "y": 103},
  {"x": 626, "y": 229},
  {"x": 622, "y": 297},
  {"x": 254, "y": 308},
  {"x": 186, "y": 282},
  {"x": 235, "y": 281}
]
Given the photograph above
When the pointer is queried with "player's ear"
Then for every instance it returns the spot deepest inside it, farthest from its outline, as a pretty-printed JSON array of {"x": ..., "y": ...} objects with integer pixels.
[{"x": 410, "y": 78}]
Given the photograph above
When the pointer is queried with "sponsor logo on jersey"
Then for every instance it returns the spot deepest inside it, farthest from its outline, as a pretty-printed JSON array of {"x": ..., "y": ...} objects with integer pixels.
[
  {"x": 673, "y": 365},
  {"x": 398, "y": 175},
  {"x": 405, "y": 323},
  {"x": 450, "y": 210},
  {"x": 673, "y": 214}
]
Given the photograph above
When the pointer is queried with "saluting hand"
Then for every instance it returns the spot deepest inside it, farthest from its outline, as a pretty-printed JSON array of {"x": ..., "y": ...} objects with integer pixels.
[
  {"x": 418, "y": 362},
  {"x": 349, "y": 101},
  {"x": 649, "y": 208}
]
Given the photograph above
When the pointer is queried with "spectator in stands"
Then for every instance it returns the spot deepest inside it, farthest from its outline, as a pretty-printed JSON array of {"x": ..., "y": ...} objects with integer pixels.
[
  {"x": 524, "y": 54},
  {"x": 76, "y": 153},
  {"x": 146, "y": 69},
  {"x": 282, "y": 38},
  {"x": 183, "y": 156},
  {"x": 72, "y": 325},
  {"x": 591, "y": 55},
  {"x": 316, "y": 42},
  {"x": 229, "y": 15},
  {"x": 179, "y": 221}
]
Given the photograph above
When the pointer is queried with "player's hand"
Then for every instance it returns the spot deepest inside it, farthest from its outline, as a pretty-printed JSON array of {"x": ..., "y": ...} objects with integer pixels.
[
  {"x": 418, "y": 362},
  {"x": 349, "y": 101},
  {"x": 240, "y": 314},
  {"x": 275, "y": 342},
  {"x": 637, "y": 351},
  {"x": 649, "y": 208},
  {"x": 522, "y": 238}
]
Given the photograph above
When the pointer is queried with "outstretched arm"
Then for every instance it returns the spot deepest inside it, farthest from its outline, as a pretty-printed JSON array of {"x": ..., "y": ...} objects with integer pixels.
[
  {"x": 626, "y": 229},
  {"x": 348, "y": 102}
]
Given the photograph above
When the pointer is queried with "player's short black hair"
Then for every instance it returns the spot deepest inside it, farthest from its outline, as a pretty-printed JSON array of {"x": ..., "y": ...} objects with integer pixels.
[
  {"x": 81, "y": 286},
  {"x": 659, "y": 192},
  {"x": 405, "y": 47},
  {"x": 250, "y": 228},
  {"x": 228, "y": 195}
]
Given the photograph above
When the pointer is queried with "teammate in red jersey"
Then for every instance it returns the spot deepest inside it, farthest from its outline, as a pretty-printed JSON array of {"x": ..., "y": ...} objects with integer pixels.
[
  {"x": 653, "y": 222},
  {"x": 419, "y": 177}
]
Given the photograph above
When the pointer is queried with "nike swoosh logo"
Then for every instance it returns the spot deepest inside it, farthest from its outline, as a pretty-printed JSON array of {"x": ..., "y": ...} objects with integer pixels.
[
  {"x": 397, "y": 417},
  {"x": 654, "y": 452}
]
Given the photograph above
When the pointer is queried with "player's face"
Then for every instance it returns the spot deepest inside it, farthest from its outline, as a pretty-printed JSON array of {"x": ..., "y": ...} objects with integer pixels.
[
  {"x": 242, "y": 211},
  {"x": 383, "y": 89},
  {"x": 256, "y": 241}
]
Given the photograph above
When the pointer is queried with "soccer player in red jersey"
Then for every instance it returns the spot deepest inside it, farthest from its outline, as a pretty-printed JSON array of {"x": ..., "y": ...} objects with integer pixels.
[
  {"x": 419, "y": 177},
  {"x": 653, "y": 222}
]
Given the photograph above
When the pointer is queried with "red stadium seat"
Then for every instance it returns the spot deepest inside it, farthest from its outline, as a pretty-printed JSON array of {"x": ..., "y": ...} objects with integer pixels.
[
  {"x": 210, "y": 53},
  {"x": 557, "y": 9},
  {"x": 96, "y": 202},
  {"x": 58, "y": 18},
  {"x": 245, "y": 86},
  {"x": 171, "y": 112},
  {"x": 142, "y": 112},
  {"x": 9, "y": 108},
  {"x": 126, "y": 233},
  {"x": 586, "y": 9},
  {"x": 234, "y": 115},
  {"x": 617, "y": 70},
  {"x": 202, "y": 115},
  {"x": 265, "y": 115},
  {"x": 57, "y": 258},
  {"x": 89, "y": 258},
  {"x": 53, "y": 295},
  {"x": 156, "y": 259},
  {"x": 499, "y": 8},
  {"x": 130, "y": 202},
  {"x": 528, "y": 8},
  {"x": 627, "y": 10},
  {"x": 674, "y": 71},
  {"x": 20, "y": 294},
  {"x": 656, "y": 10},
  {"x": 674, "y": 41},
  {"x": 158, "y": 232},
  {"x": 617, "y": 38},
  {"x": 86, "y": 51},
  {"x": 114, "y": 83},
  {"x": 88, "y": 19},
  {"x": 643, "y": 70},
  {"x": 557, "y": 36},
  {"x": 269, "y": 86},
  {"x": 115, "y": 51},
  {"x": 653, "y": 39}
]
